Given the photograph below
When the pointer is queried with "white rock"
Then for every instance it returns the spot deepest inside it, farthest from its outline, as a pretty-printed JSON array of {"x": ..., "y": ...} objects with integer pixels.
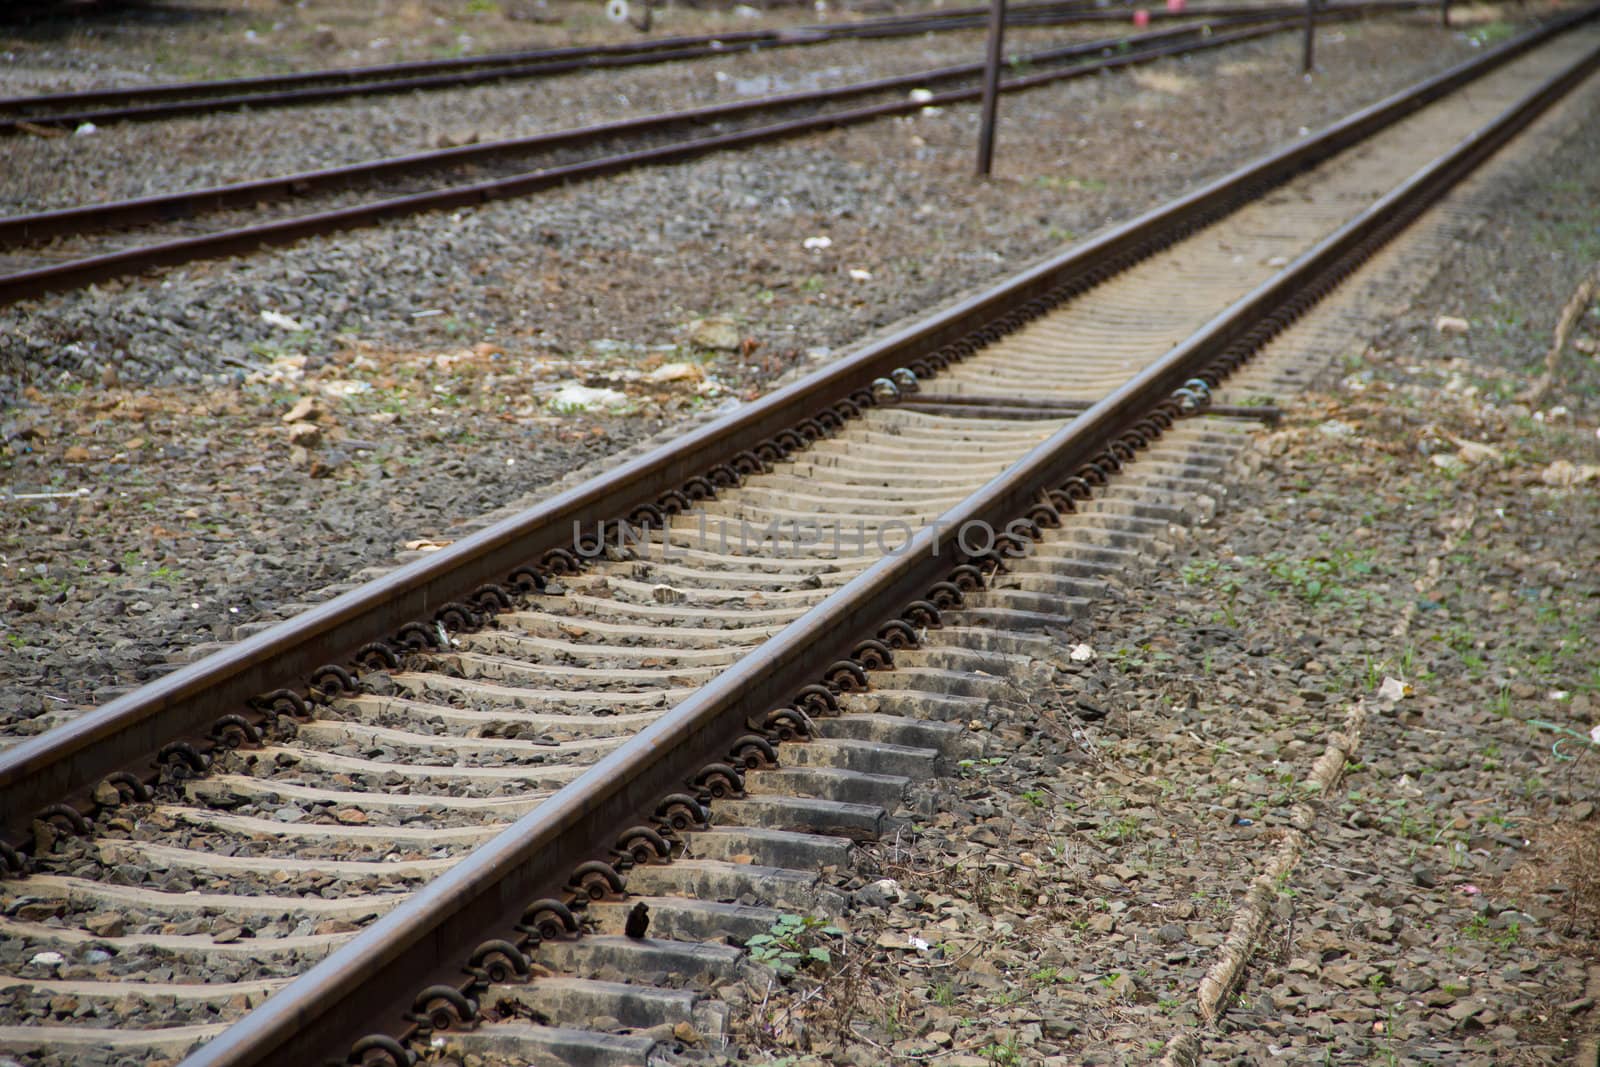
[
  {"x": 921, "y": 96},
  {"x": 816, "y": 244},
  {"x": 47, "y": 959},
  {"x": 1393, "y": 689},
  {"x": 575, "y": 397},
  {"x": 675, "y": 372},
  {"x": 86, "y": 129},
  {"x": 306, "y": 409},
  {"x": 1473, "y": 453},
  {"x": 1081, "y": 653},
  {"x": 1451, "y": 324},
  {"x": 861, "y": 275},
  {"x": 280, "y": 320},
  {"x": 717, "y": 334},
  {"x": 1563, "y": 474},
  {"x": 304, "y": 434}
]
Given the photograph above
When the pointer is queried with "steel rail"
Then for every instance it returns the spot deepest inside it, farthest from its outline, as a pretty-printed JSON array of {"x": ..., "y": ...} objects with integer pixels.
[
  {"x": 191, "y": 98},
  {"x": 79, "y": 272},
  {"x": 264, "y": 82},
  {"x": 428, "y": 937},
  {"x": 164, "y": 207},
  {"x": 123, "y": 735}
]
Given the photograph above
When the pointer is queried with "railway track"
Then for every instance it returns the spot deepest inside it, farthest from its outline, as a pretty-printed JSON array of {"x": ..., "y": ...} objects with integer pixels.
[
  {"x": 46, "y": 113},
  {"x": 696, "y": 722},
  {"x": 72, "y": 247}
]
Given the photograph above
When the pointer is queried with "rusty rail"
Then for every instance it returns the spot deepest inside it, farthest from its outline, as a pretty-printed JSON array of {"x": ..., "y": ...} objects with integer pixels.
[
  {"x": 172, "y": 100},
  {"x": 430, "y": 936},
  {"x": 79, "y": 272}
]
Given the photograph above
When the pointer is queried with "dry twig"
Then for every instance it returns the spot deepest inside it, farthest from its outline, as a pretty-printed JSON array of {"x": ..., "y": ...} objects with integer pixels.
[{"x": 1582, "y": 297}]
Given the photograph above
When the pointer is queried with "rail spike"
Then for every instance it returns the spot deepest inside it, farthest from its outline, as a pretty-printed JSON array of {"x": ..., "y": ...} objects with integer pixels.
[
  {"x": 182, "y": 760},
  {"x": 526, "y": 580},
  {"x": 548, "y": 919},
  {"x": 12, "y": 862},
  {"x": 680, "y": 812},
  {"x": 897, "y": 633},
  {"x": 817, "y": 701},
  {"x": 458, "y": 617},
  {"x": 968, "y": 578},
  {"x": 377, "y": 656},
  {"x": 64, "y": 817},
  {"x": 235, "y": 731},
  {"x": 443, "y": 1007},
  {"x": 283, "y": 702},
  {"x": 129, "y": 786},
  {"x": 416, "y": 637},
  {"x": 381, "y": 1050},
  {"x": 923, "y": 613},
  {"x": 718, "y": 781},
  {"x": 643, "y": 844},
  {"x": 873, "y": 654},
  {"x": 596, "y": 880},
  {"x": 496, "y": 962},
  {"x": 1044, "y": 516},
  {"x": 786, "y": 724},
  {"x": 331, "y": 681},
  {"x": 752, "y": 752},
  {"x": 848, "y": 676}
]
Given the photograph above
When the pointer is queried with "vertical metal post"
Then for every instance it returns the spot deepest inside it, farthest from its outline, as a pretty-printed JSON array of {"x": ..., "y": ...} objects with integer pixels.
[
  {"x": 1311, "y": 31},
  {"x": 1444, "y": 13},
  {"x": 991, "y": 84}
]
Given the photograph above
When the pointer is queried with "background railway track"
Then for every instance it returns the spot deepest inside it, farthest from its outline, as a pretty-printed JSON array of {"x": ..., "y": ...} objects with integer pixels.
[
  {"x": 59, "y": 111},
  {"x": 627, "y": 601},
  {"x": 76, "y": 246}
]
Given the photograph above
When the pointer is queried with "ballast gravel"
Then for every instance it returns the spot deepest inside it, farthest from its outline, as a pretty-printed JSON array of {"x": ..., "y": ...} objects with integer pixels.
[{"x": 188, "y": 453}]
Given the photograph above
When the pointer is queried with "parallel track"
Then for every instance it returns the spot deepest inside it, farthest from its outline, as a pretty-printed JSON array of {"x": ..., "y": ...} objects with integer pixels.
[
  {"x": 635, "y": 690},
  {"x": 72, "y": 247},
  {"x": 20, "y": 114}
]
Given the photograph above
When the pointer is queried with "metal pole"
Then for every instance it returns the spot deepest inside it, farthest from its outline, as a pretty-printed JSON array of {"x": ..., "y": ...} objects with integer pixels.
[
  {"x": 1311, "y": 31},
  {"x": 991, "y": 84},
  {"x": 1444, "y": 13}
]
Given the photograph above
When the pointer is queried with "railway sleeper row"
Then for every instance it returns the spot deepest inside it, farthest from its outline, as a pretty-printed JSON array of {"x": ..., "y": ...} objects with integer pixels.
[
  {"x": 391, "y": 768},
  {"x": 157, "y": 934}
]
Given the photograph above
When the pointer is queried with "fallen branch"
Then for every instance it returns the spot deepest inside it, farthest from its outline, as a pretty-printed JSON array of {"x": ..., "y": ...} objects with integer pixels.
[{"x": 1585, "y": 294}]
